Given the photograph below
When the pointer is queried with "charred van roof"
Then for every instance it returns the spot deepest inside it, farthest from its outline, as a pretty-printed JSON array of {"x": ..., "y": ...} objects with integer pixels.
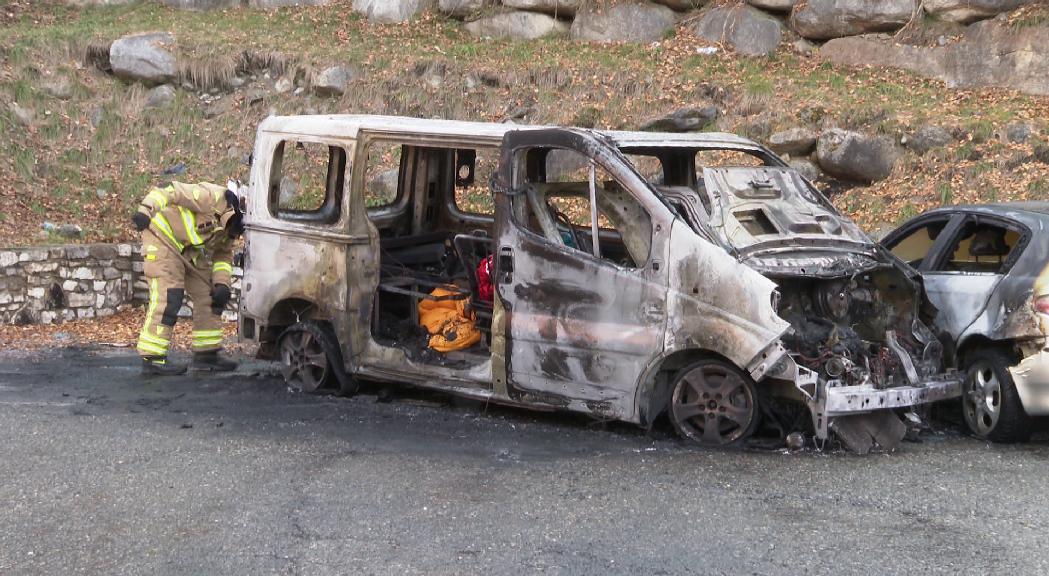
[{"x": 343, "y": 125}]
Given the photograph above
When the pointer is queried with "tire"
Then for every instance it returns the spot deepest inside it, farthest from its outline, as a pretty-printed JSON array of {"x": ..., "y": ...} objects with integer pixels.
[
  {"x": 308, "y": 355},
  {"x": 991, "y": 406},
  {"x": 714, "y": 404}
]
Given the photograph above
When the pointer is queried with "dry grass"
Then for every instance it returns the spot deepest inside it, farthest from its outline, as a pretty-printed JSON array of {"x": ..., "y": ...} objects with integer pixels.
[{"x": 88, "y": 159}]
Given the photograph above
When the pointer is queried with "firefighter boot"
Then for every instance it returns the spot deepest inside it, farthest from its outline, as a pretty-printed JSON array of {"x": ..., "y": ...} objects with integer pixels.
[
  {"x": 212, "y": 360},
  {"x": 159, "y": 366}
]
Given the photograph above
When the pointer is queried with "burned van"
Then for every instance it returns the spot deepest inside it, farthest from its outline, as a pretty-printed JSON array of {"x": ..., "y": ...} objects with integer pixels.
[{"x": 623, "y": 275}]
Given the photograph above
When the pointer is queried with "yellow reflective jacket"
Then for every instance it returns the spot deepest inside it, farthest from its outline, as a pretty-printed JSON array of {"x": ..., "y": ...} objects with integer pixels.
[{"x": 189, "y": 216}]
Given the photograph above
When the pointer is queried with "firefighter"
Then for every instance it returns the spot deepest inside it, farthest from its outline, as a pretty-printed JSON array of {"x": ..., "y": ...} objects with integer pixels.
[{"x": 187, "y": 246}]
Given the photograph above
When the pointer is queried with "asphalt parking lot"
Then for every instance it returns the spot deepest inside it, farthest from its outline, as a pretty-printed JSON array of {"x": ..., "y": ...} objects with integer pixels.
[{"x": 235, "y": 474}]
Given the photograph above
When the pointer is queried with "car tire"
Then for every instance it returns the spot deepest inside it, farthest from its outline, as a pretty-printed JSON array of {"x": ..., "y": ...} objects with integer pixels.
[
  {"x": 307, "y": 354},
  {"x": 991, "y": 406},
  {"x": 713, "y": 403}
]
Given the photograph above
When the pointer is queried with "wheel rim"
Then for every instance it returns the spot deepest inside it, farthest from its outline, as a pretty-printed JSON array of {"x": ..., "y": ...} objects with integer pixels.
[
  {"x": 713, "y": 405},
  {"x": 982, "y": 399},
  {"x": 303, "y": 361}
]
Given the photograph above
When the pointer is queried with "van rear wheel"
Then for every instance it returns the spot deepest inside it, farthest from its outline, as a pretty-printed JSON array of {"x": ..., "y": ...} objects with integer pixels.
[
  {"x": 714, "y": 404},
  {"x": 305, "y": 361}
]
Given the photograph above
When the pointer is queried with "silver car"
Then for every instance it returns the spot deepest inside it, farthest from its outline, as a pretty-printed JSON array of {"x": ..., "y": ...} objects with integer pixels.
[{"x": 986, "y": 268}]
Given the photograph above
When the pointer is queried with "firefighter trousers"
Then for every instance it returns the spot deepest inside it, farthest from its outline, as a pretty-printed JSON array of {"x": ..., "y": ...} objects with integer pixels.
[{"x": 170, "y": 281}]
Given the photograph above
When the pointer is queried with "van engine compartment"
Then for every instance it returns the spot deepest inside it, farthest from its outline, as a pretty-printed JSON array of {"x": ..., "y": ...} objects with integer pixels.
[{"x": 859, "y": 330}]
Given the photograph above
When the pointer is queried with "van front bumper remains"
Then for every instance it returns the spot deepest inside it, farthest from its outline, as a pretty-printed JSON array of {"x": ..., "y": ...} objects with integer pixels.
[{"x": 828, "y": 399}]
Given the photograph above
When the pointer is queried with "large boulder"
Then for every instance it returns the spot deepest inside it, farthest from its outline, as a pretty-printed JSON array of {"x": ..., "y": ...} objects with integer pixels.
[
  {"x": 824, "y": 19},
  {"x": 160, "y": 96},
  {"x": 854, "y": 156},
  {"x": 334, "y": 80},
  {"x": 881, "y": 51},
  {"x": 928, "y": 137},
  {"x": 389, "y": 11},
  {"x": 460, "y": 8},
  {"x": 626, "y": 21},
  {"x": 993, "y": 53},
  {"x": 989, "y": 54},
  {"x": 1018, "y": 132},
  {"x": 806, "y": 168},
  {"x": 57, "y": 85},
  {"x": 384, "y": 185},
  {"x": 773, "y": 5},
  {"x": 559, "y": 8},
  {"x": 747, "y": 30},
  {"x": 682, "y": 5},
  {"x": 795, "y": 141},
  {"x": 145, "y": 58},
  {"x": 517, "y": 25},
  {"x": 684, "y": 120},
  {"x": 968, "y": 11}
]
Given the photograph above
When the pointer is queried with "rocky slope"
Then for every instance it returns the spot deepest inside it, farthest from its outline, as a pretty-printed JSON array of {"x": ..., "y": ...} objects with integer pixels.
[
  {"x": 100, "y": 101},
  {"x": 980, "y": 44}
]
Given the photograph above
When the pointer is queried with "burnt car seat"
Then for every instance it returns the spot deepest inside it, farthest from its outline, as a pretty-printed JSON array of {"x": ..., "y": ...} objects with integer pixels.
[
  {"x": 471, "y": 249},
  {"x": 988, "y": 243}
]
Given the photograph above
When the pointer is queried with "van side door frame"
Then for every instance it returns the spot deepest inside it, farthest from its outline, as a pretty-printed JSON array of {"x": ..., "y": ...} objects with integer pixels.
[{"x": 577, "y": 331}]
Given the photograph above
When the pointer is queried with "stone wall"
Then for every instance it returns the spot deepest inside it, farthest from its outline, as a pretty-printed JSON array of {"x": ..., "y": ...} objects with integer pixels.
[{"x": 53, "y": 284}]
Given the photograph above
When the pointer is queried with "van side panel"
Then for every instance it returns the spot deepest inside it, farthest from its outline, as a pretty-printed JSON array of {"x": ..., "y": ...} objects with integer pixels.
[{"x": 293, "y": 270}]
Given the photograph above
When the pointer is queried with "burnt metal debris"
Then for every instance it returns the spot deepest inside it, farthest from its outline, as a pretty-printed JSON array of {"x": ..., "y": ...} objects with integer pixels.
[{"x": 636, "y": 275}]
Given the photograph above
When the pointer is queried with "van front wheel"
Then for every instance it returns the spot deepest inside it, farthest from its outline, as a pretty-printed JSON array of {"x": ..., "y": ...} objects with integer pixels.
[
  {"x": 305, "y": 360},
  {"x": 714, "y": 404}
]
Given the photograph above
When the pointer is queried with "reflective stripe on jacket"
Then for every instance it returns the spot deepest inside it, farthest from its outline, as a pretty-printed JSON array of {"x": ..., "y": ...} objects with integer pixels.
[{"x": 188, "y": 216}]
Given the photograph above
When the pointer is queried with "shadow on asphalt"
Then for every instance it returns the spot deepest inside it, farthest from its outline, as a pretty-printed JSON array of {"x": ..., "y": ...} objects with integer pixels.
[{"x": 97, "y": 380}]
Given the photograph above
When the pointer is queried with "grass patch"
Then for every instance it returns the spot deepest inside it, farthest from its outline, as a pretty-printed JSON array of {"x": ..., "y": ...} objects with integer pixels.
[
  {"x": 25, "y": 162},
  {"x": 759, "y": 86},
  {"x": 981, "y": 131},
  {"x": 1038, "y": 188},
  {"x": 946, "y": 193},
  {"x": 907, "y": 211}
]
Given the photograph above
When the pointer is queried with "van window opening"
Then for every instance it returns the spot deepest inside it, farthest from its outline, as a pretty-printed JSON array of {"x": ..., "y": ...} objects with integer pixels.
[
  {"x": 571, "y": 201},
  {"x": 434, "y": 215},
  {"x": 307, "y": 181}
]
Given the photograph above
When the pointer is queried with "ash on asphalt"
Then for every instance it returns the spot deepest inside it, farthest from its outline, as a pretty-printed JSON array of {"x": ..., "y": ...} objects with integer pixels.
[{"x": 106, "y": 473}]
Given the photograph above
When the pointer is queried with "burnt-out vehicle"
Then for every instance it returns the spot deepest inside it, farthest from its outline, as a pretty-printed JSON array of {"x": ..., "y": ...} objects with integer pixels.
[
  {"x": 986, "y": 268},
  {"x": 632, "y": 276}
]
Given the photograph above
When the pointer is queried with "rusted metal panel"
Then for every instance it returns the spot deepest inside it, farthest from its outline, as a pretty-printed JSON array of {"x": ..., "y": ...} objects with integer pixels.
[
  {"x": 297, "y": 263},
  {"x": 577, "y": 328},
  {"x": 716, "y": 304},
  {"x": 583, "y": 332}
]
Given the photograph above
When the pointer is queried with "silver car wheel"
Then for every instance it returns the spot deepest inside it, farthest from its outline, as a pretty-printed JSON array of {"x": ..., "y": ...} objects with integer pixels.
[{"x": 982, "y": 399}]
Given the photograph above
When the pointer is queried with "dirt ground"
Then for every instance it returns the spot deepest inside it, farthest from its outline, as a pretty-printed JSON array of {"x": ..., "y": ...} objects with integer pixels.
[{"x": 117, "y": 331}]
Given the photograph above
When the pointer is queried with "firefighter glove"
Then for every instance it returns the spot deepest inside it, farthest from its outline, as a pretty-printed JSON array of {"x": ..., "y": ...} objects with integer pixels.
[
  {"x": 220, "y": 295},
  {"x": 141, "y": 221},
  {"x": 232, "y": 200},
  {"x": 235, "y": 225}
]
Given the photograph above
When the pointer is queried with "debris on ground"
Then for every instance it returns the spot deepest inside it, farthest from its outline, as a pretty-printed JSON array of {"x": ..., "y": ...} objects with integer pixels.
[{"x": 119, "y": 331}]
